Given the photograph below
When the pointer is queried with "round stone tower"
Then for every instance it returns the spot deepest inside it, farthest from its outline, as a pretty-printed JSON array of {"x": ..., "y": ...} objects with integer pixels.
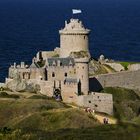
[
  {"x": 82, "y": 69},
  {"x": 73, "y": 38}
]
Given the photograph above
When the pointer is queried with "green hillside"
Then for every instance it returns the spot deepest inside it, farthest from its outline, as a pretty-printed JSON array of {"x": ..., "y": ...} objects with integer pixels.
[{"x": 39, "y": 117}]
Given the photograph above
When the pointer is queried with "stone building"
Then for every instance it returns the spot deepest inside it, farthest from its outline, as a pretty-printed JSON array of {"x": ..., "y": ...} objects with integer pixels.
[
  {"x": 62, "y": 73},
  {"x": 73, "y": 38}
]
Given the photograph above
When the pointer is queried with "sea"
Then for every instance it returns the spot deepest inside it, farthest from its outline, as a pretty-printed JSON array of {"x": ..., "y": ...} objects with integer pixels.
[{"x": 29, "y": 26}]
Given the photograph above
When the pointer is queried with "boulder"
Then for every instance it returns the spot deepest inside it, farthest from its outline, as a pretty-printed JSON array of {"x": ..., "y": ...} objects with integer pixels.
[{"x": 22, "y": 86}]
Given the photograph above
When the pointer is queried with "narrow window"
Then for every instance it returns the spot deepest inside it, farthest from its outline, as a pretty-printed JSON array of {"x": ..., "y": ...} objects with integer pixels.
[
  {"x": 89, "y": 101},
  {"x": 53, "y": 74},
  {"x": 84, "y": 37},
  {"x": 66, "y": 74},
  {"x": 96, "y": 105}
]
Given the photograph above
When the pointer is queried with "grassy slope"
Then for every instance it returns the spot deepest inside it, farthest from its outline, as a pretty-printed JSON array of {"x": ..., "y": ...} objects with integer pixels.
[
  {"x": 11, "y": 110},
  {"x": 40, "y": 116},
  {"x": 49, "y": 120}
]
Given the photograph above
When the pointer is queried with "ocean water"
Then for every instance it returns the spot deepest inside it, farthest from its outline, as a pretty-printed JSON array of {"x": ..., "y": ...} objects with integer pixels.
[{"x": 28, "y": 26}]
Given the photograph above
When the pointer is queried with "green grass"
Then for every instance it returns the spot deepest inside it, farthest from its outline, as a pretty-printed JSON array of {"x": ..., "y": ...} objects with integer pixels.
[
  {"x": 46, "y": 119},
  {"x": 13, "y": 110},
  {"x": 55, "y": 120},
  {"x": 4, "y": 94},
  {"x": 39, "y": 97},
  {"x": 106, "y": 132},
  {"x": 126, "y": 64},
  {"x": 121, "y": 94},
  {"x": 36, "y": 117},
  {"x": 41, "y": 63}
]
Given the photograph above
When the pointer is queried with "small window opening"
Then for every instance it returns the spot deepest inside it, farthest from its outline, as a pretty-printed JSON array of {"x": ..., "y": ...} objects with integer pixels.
[
  {"x": 84, "y": 37},
  {"x": 96, "y": 105},
  {"x": 89, "y": 101},
  {"x": 66, "y": 74},
  {"x": 53, "y": 74}
]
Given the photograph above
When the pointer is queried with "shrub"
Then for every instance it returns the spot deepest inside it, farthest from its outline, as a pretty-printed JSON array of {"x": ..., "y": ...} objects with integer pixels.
[
  {"x": 6, "y": 95},
  {"x": 38, "y": 97}
]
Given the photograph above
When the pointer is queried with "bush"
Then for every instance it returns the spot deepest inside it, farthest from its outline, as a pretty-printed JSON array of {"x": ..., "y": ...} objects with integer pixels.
[
  {"x": 6, "y": 95},
  {"x": 38, "y": 97}
]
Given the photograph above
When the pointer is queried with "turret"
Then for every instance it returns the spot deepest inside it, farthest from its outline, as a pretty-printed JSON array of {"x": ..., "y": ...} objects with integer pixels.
[
  {"x": 82, "y": 74},
  {"x": 73, "y": 38}
]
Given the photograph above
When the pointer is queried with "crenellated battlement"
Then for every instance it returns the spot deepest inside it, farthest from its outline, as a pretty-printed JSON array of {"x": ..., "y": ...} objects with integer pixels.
[{"x": 74, "y": 27}]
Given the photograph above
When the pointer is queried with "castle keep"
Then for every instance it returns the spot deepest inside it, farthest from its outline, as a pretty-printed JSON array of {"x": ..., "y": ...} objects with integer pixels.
[
  {"x": 73, "y": 38},
  {"x": 64, "y": 72}
]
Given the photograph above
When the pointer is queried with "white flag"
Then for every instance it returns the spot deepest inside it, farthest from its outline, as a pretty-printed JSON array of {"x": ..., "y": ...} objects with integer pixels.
[{"x": 76, "y": 11}]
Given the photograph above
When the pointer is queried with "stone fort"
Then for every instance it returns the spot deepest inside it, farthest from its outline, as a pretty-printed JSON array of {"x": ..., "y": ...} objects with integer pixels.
[{"x": 64, "y": 72}]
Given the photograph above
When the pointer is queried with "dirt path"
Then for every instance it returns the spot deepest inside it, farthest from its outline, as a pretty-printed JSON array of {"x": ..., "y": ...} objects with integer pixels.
[{"x": 100, "y": 118}]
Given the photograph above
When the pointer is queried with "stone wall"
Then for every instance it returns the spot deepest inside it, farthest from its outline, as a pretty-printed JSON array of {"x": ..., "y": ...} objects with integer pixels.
[
  {"x": 73, "y": 38},
  {"x": 126, "y": 79},
  {"x": 101, "y": 102},
  {"x": 60, "y": 73},
  {"x": 69, "y": 92},
  {"x": 48, "y": 54},
  {"x": 27, "y": 73},
  {"x": 46, "y": 87},
  {"x": 134, "y": 67},
  {"x": 82, "y": 69}
]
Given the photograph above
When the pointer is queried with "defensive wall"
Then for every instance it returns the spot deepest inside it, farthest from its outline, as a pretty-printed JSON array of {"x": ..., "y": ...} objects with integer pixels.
[
  {"x": 134, "y": 67},
  {"x": 102, "y": 102},
  {"x": 126, "y": 79}
]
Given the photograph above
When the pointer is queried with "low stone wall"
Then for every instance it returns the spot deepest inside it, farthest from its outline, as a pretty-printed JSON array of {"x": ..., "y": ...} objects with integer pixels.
[
  {"x": 48, "y": 54},
  {"x": 101, "y": 102},
  {"x": 128, "y": 79},
  {"x": 134, "y": 67}
]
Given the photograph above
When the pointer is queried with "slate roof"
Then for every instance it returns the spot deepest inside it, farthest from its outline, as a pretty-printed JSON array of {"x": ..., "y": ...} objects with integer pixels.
[
  {"x": 70, "y": 80},
  {"x": 63, "y": 61}
]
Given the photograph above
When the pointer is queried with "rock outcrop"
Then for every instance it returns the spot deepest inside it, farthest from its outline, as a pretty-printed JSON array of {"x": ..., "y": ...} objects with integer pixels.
[{"x": 22, "y": 86}]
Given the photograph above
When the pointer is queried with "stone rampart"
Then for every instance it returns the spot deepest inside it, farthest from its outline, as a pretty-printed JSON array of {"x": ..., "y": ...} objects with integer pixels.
[
  {"x": 101, "y": 102},
  {"x": 126, "y": 79},
  {"x": 134, "y": 67}
]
